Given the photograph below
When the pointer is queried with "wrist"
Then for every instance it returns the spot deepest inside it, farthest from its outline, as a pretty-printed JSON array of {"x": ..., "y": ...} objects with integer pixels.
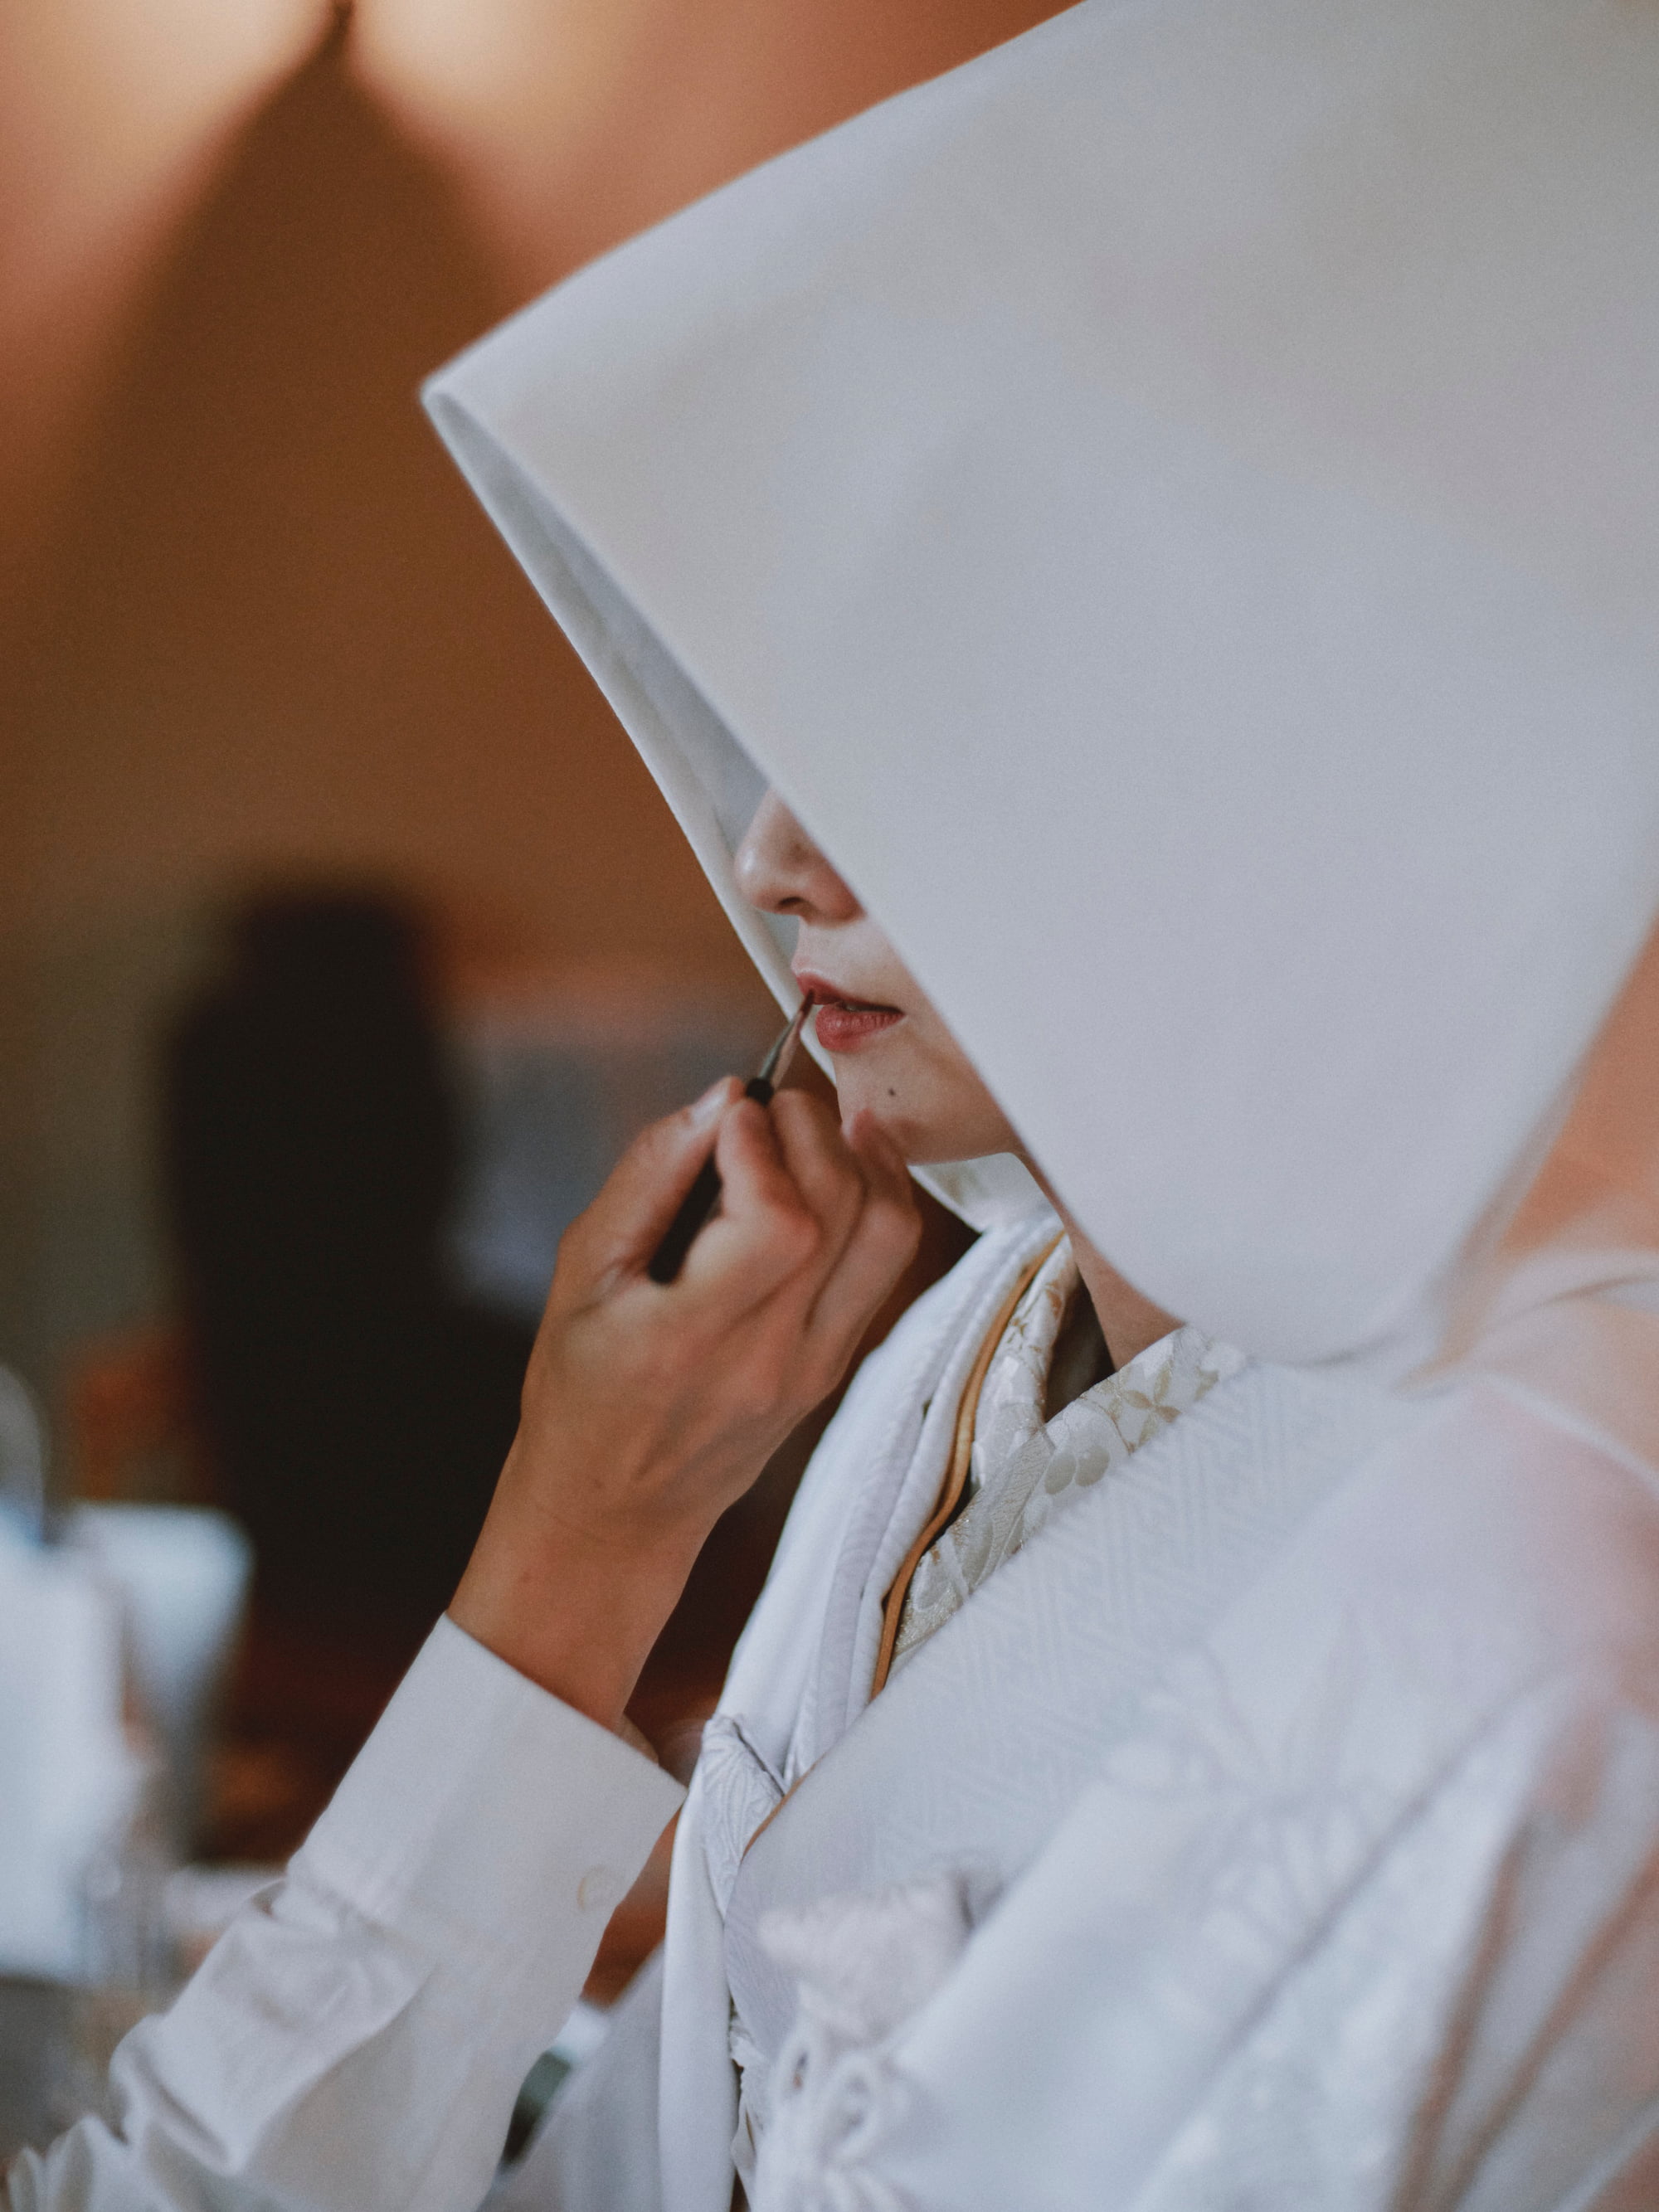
[{"x": 579, "y": 1618}]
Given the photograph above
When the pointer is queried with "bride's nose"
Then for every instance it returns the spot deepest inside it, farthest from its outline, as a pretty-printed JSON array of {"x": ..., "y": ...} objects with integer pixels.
[{"x": 780, "y": 870}]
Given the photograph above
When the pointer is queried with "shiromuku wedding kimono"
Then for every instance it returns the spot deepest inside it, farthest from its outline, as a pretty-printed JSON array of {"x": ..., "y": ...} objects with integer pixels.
[
  {"x": 1174, "y": 508},
  {"x": 1171, "y": 508}
]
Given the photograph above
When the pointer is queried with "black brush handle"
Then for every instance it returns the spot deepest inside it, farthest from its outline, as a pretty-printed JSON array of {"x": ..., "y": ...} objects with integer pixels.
[{"x": 697, "y": 1205}]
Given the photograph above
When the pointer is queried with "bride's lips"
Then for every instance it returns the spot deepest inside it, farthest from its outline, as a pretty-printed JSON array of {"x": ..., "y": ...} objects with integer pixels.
[{"x": 843, "y": 1023}]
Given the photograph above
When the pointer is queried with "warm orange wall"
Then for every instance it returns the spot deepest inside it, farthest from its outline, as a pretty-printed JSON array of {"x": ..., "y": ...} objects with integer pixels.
[
  {"x": 113, "y": 115},
  {"x": 280, "y": 633},
  {"x": 572, "y": 124},
  {"x": 274, "y": 628}
]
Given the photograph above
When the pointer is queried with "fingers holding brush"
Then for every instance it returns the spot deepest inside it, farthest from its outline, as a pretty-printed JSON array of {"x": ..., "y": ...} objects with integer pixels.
[
  {"x": 701, "y": 1199},
  {"x": 768, "y": 1229},
  {"x": 824, "y": 1169},
  {"x": 649, "y": 1406},
  {"x": 814, "y": 1230}
]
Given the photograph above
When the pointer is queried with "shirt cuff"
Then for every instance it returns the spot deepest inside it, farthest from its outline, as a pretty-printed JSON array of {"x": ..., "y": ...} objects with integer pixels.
[{"x": 482, "y": 1808}]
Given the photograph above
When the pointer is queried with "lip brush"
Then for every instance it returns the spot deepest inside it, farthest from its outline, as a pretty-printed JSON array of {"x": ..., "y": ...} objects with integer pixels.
[{"x": 703, "y": 1196}]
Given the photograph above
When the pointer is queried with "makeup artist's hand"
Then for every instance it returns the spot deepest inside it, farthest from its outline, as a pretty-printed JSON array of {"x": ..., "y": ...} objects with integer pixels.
[{"x": 649, "y": 1408}]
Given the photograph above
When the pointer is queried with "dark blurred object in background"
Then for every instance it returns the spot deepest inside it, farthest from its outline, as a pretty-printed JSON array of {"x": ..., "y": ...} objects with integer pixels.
[{"x": 355, "y": 1411}]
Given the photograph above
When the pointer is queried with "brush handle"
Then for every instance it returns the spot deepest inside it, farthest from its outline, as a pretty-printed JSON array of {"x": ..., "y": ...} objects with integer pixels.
[{"x": 697, "y": 1205}]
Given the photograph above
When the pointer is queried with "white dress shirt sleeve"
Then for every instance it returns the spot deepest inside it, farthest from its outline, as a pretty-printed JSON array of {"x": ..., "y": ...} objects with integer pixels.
[{"x": 356, "y": 2040}]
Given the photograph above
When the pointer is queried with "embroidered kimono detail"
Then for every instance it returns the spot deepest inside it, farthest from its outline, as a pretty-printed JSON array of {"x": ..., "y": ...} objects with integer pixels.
[
  {"x": 1024, "y": 1470},
  {"x": 864, "y": 1964}
]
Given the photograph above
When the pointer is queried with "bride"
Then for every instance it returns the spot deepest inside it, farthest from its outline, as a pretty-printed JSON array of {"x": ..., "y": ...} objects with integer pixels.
[{"x": 1133, "y": 565}]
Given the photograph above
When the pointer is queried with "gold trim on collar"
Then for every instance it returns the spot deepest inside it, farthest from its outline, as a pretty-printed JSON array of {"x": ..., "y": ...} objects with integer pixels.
[
  {"x": 956, "y": 1472},
  {"x": 950, "y": 1497}
]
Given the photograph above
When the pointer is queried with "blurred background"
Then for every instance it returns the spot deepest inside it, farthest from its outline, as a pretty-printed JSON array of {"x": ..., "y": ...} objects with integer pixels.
[{"x": 343, "y": 941}]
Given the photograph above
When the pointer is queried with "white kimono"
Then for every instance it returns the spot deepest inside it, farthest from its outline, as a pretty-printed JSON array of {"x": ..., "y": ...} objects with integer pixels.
[
  {"x": 1278, "y": 1824},
  {"x": 1174, "y": 508}
]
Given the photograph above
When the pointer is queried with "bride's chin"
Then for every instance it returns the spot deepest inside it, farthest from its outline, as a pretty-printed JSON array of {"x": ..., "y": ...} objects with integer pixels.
[
  {"x": 885, "y": 1105},
  {"x": 923, "y": 1138}
]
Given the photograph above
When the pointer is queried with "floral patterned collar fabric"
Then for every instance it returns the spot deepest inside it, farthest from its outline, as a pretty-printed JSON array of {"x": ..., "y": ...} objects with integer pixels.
[{"x": 1025, "y": 1470}]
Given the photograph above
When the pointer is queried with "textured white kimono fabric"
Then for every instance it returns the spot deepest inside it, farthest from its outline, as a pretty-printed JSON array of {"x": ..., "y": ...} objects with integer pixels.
[
  {"x": 1025, "y": 1469},
  {"x": 851, "y": 1955}
]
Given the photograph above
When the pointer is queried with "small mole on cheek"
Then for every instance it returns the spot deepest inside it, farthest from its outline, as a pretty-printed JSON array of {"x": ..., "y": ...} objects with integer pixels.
[{"x": 891, "y": 1093}]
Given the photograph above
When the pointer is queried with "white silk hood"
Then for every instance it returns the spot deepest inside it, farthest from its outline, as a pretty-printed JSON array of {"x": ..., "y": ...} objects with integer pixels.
[{"x": 1174, "y": 508}]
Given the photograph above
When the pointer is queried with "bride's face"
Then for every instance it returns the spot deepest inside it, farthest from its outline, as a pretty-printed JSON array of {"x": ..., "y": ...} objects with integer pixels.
[{"x": 892, "y": 1052}]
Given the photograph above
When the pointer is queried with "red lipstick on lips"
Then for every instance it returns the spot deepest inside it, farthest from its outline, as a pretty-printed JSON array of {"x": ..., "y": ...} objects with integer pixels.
[{"x": 843, "y": 1023}]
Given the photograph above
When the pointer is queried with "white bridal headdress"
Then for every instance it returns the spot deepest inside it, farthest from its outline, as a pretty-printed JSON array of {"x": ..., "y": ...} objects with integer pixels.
[{"x": 1199, "y": 468}]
